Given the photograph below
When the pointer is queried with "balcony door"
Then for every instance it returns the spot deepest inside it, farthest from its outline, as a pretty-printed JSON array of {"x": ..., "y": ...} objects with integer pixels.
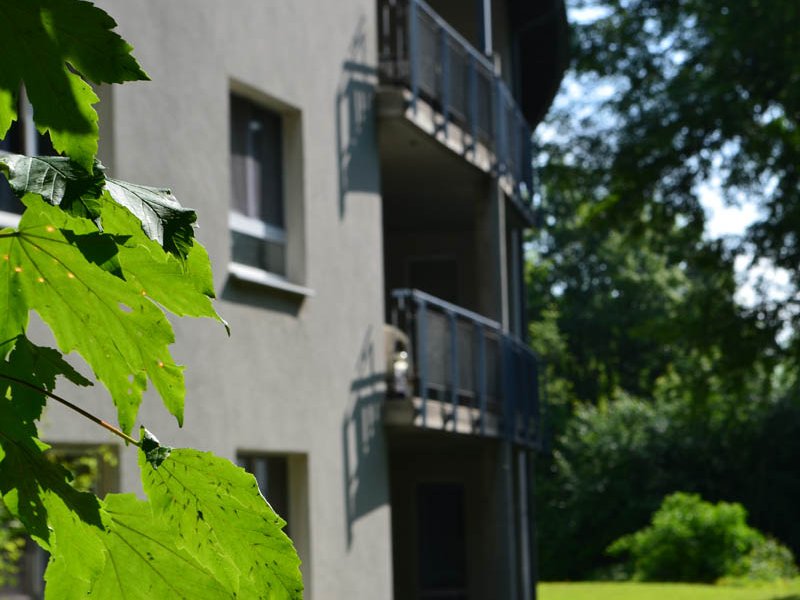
[{"x": 441, "y": 537}]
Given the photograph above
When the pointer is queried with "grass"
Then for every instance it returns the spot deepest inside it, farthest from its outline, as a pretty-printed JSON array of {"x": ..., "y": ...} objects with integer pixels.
[{"x": 789, "y": 590}]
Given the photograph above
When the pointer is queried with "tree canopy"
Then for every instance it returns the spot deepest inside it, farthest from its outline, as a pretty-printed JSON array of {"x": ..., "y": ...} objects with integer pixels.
[
  {"x": 660, "y": 379},
  {"x": 695, "y": 93}
]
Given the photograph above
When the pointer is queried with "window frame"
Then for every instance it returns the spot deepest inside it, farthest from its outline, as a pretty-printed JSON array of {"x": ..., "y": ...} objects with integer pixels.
[
  {"x": 292, "y": 283},
  {"x": 248, "y": 224}
]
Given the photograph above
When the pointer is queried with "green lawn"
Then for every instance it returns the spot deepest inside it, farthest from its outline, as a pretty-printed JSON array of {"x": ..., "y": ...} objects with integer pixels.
[{"x": 666, "y": 591}]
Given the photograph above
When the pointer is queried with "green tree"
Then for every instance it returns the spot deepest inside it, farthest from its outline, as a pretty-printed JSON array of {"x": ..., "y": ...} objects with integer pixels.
[
  {"x": 689, "y": 539},
  {"x": 101, "y": 261},
  {"x": 695, "y": 91},
  {"x": 614, "y": 463},
  {"x": 632, "y": 305}
]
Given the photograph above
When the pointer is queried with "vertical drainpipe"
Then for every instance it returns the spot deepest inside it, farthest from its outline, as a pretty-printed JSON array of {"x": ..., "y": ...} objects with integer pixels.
[
  {"x": 533, "y": 530},
  {"x": 499, "y": 201},
  {"x": 484, "y": 8},
  {"x": 523, "y": 522},
  {"x": 509, "y": 518},
  {"x": 413, "y": 52}
]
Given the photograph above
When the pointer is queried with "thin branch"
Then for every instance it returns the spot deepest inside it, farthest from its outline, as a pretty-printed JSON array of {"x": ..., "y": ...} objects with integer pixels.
[{"x": 70, "y": 405}]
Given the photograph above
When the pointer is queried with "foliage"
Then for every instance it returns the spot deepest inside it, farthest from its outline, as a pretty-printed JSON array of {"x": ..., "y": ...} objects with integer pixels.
[
  {"x": 769, "y": 560},
  {"x": 660, "y": 379},
  {"x": 702, "y": 90},
  {"x": 12, "y": 543},
  {"x": 782, "y": 590},
  {"x": 52, "y": 47},
  {"x": 101, "y": 261},
  {"x": 689, "y": 540},
  {"x": 84, "y": 466},
  {"x": 615, "y": 462},
  {"x": 629, "y": 306}
]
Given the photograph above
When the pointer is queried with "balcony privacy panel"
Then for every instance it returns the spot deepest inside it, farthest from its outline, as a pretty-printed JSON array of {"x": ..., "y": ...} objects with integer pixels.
[
  {"x": 458, "y": 61},
  {"x": 484, "y": 121},
  {"x": 429, "y": 59},
  {"x": 465, "y": 360},
  {"x": 437, "y": 351},
  {"x": 493, "y": 391}
]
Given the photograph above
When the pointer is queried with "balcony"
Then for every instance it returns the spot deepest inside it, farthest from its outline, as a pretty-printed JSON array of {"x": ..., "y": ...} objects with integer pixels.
[
  {"x": 453, "y": 91},
  {"x": 467, "y": 375}
]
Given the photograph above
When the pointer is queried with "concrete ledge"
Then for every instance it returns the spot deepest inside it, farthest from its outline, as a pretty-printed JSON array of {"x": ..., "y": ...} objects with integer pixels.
[
  {"x": 439, "y": 416},
  {"x": 259, "y": 277}
]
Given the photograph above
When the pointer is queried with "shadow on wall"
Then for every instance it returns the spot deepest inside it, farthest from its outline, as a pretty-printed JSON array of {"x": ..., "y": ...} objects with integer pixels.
[
  {"x": 366, "y": 485},
  {"x": 256, "y": 295},
  {"x": 355, "y": 121}
]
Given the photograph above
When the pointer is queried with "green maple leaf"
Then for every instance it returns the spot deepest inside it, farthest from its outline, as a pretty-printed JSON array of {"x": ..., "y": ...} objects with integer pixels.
[
  {"x": 182, "y": 286},
  {"x": 123, "y": 335},
  {"x": 57, "y": 179},
  {"x": 136, "y": 558},
  {"x": 62, "y": 182},
  {"x": 45, "y": 44},
  {"x": 224, "y": 523},
  {"x": 163, "y": 218},
  {"x": 38, "y": 367},
  {"x": 85, "y": 38},
  {"x": 32, "y": 486},
  {"x": 205, "y": 533}
]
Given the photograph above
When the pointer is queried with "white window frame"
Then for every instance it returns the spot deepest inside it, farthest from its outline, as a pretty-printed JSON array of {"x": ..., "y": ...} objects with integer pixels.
[
  {"x": 256, "y": 228},
  {"x": 290, "y": 234}
]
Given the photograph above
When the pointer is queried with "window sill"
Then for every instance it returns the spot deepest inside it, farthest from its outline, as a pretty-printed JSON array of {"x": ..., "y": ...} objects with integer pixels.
[{"x": 256, "y": 276}]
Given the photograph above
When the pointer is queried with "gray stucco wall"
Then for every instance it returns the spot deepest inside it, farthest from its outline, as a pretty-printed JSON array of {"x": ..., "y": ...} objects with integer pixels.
[{"x": 299, "y": 375}]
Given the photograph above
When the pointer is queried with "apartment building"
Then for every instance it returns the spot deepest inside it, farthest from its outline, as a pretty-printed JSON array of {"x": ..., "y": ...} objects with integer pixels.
[{"x": 362, "y": 174}]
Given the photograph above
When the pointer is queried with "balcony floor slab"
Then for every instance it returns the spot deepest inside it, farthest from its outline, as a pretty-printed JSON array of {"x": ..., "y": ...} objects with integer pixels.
[{"x": 408, "y": 413}]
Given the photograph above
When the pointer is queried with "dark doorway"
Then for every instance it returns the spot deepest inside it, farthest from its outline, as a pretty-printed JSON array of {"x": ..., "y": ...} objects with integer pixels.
[{"x": 442, "y": 542}]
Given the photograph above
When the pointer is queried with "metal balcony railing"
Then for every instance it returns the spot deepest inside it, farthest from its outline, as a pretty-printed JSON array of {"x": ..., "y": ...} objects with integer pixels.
[
  {"x": 419, "y": 50},
  {"x": 466, "y": 360}
]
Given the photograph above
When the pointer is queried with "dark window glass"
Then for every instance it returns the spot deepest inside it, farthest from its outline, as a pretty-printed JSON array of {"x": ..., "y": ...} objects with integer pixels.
[
  {"x": 256, "y": 162},
  {"x": 257, "y": 252}
]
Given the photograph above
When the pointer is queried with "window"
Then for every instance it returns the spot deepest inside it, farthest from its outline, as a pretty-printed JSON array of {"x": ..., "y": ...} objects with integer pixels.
[
  {"x": 22, "y": 138},
  {"x": 257, "y": 218},
  {"x": 272, "y": 474},
  {"x": 283, "y": 480}
]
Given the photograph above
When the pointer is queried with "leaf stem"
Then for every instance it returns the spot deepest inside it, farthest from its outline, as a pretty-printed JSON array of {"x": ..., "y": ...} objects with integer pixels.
[{"x": 77, "y": 409}]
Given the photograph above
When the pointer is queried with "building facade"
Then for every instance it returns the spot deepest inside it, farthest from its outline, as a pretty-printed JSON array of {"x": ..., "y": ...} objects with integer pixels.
[{"x": 362, "y": 174}]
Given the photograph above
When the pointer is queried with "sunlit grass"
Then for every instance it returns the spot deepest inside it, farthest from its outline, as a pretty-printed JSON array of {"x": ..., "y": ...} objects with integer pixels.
[{"x": 667, "y": 591}]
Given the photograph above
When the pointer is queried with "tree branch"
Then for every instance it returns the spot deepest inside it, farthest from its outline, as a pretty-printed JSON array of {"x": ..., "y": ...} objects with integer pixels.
[{"x": 70, "y": 405}]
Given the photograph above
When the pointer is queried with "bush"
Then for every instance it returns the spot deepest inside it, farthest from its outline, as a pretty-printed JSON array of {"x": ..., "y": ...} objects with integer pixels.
[
  {"x": 613, "y": 464},
  {"x": 767, "y": 561},
  {"x": 693, "y": 540}
]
